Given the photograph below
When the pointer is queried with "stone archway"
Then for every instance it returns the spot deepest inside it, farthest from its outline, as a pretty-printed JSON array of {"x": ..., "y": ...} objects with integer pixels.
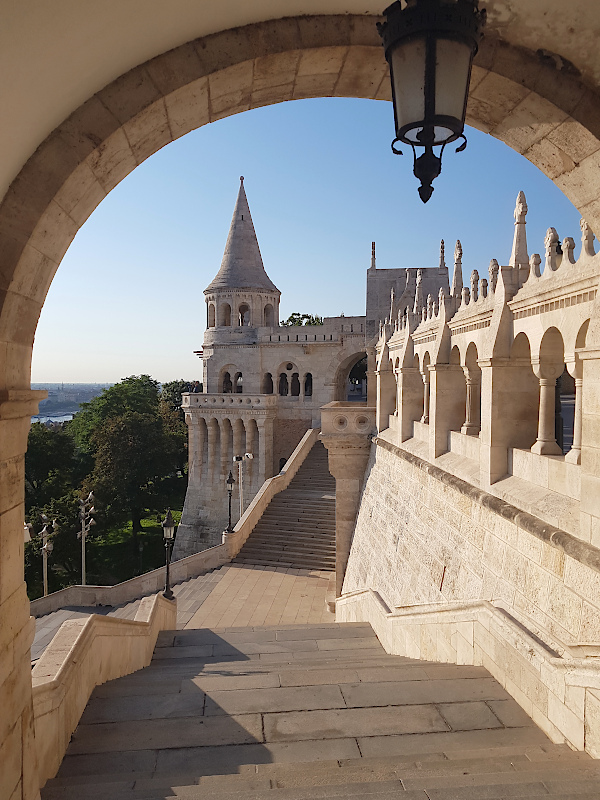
[{"x": 533, "y": 103}]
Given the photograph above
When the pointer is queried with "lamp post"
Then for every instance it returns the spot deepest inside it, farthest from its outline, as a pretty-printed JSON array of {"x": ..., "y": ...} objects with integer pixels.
[
  {"x": 230, "y": 484},
  {"x": 86, "y": 509},
  {"x": 168, "y": 526},
  {"x": 239, "y": 460},
  {"x": 430, "y": 46},
  {"x": 47, "y": 548}
]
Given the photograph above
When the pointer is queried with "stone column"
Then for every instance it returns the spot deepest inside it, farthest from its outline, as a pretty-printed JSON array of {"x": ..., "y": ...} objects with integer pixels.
[
  {"x": 348, "y": 457},
  {"x": 575, "y": 369},
  {"x": 546, "y": 439},
  {"x": 18, "y": 761},
  {"x": 425, "y": 417},
  {"x": 238, "y": 438},
  {"x": 472, "y": 424},
  {"x": 251, "y": 448},
  {"x": 371, "y": 377},
  {"x": 590, "y": 436},
  {"x": 226, "y": 439},
  {"x": 212, "y": 432}
]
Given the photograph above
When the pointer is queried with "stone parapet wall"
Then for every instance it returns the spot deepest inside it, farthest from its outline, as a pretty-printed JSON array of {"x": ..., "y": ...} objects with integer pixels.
[
  {"x": 425, "y": 536},
  {"x": 558, "y": 687}
]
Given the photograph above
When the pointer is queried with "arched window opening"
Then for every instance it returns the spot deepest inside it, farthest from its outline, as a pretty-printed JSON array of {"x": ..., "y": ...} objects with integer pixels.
[
  {"x": 308, "y": 384},
  {"x": 295, "y": 385},
  {"x": 282, "y": 463},
  {"x": 267, "y": 386},
  {"x": 472, "y": 379},
  {"x": 244, "y": 315},
  {"x": 549, "y": 368},
  {"x": 238, "y": 385},
  {"x": 283, "y": 385},
  {"x": 269, "y": 316},
  {"x": 357, "y": 381},
  {"x": 227, "y": 385},
  {"x": 211, "y": 315},
  {"x": 521, "y": 403},
  {"x": 225, "y": 315}
]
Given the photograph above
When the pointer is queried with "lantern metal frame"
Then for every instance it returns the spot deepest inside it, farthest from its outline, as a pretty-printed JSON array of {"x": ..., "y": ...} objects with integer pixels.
[
  {"x": 168, "y": 526},
  {"x": 431, "y": 21}
]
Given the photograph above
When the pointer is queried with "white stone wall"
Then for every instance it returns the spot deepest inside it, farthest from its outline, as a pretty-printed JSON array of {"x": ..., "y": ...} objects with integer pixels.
[{"x": 424, "y": 536}]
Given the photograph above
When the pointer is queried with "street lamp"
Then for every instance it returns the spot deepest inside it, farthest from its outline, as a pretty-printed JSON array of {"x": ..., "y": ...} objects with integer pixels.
[
  {"x": 230, "y": 484},
  {"x": 168, "y": 526},
  {"x": 86, "y": 509},
  {"x": 239, "y": 460},
  {"x": 430, "y": 45}
]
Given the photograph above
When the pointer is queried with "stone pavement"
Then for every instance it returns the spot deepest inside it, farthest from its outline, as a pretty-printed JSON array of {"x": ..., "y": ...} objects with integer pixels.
[{"x": 299, "y": 712}]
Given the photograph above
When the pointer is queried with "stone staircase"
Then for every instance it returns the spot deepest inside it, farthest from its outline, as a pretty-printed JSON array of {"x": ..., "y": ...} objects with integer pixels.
[
  {"x": 306, "y": 712},
  {"x": 298, "y": 527}
]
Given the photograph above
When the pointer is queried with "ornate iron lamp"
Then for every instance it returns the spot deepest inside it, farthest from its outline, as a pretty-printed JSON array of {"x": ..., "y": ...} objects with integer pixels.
[
  {"x": 430, "y": 45},
  {"x": 230, "y": 484},
  {"x": 168, "y": 526}
]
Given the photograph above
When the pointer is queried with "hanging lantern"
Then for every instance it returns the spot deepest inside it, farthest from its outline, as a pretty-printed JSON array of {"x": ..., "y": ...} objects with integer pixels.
[{"x": 430, "y": 45}]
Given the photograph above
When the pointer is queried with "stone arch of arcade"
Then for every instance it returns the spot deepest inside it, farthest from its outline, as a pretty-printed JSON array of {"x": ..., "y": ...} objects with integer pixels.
[{"x": 534, "y": 104}]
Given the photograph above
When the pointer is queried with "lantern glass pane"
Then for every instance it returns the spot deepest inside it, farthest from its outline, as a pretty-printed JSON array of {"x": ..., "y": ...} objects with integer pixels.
[
  {"x": 408, "y": 70},
  {"x": 451, "y": 75}
]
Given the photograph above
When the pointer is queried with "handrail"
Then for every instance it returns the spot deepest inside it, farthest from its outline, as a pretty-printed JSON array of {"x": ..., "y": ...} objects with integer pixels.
[
  {"x": 84, "y": 654},
  {"x": 146, "y": 584}
]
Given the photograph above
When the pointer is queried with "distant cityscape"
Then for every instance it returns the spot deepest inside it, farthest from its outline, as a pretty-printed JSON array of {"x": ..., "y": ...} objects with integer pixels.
[{"x": 64, "y": 399}]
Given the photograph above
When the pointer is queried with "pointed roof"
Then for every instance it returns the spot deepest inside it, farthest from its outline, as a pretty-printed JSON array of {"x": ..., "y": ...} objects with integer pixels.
[{"x": 242, "y": 265}]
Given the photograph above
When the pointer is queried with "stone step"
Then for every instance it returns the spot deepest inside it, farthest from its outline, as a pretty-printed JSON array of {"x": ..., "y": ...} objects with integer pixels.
[{"x": 316, "y": 545}]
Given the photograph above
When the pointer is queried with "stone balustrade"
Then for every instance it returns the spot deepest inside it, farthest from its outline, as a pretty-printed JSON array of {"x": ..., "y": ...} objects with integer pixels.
[{"x": 240, "y": 402}]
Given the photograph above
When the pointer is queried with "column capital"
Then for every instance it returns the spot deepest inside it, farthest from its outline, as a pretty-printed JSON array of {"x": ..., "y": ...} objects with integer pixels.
[{"x": 18, "y": 403}]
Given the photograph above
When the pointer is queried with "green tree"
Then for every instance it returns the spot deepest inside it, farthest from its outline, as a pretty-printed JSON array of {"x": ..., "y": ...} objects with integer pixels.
[
  {"x": 133, "y": 452},
  {"x": 170, "y": 393},
  {"x": 51, "y": 464},
  {"x": 301, "y": 319},
  {"x": 139, "y": 393}
]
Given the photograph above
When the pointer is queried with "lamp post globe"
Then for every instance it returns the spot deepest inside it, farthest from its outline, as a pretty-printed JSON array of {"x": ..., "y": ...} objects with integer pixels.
[{"x": 430, "y": 46}]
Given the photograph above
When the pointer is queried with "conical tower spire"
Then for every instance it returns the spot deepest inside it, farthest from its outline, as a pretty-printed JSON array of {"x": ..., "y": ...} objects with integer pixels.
[{"x": 242, "y": 265}]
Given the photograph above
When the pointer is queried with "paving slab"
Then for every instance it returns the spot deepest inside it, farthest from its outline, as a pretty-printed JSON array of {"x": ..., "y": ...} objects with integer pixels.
[
  {"x": 163, "y": 706},
  {"x": 419, "y": 692},
  {"x": 154, "y": 734},
  {"x": 273, "y": 700},
  {"x": 469, "y": 716},
  {"x": 343, "y": 723}
]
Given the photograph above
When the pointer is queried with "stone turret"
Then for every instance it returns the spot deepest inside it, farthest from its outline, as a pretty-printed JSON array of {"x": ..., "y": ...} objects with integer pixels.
[
  {"x": 519, "y": 257},
  {"x": 241, "y": 297}
]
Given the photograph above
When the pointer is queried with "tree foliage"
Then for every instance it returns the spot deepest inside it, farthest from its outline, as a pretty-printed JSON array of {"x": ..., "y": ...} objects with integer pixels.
[{"x": 301, "y": 319}]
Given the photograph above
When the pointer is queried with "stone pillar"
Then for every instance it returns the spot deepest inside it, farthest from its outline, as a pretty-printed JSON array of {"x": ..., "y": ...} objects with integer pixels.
[
  {"x": 575, "y": 369},
  {"x": 590, "y": 437},
  {"x": 472, "y": 424},
  {"x": 18, "y": 761},
  {"x": 546, "y": 439},
  {"x": 252, "y": 466},
  {"x": 371, "y": 377},
  {"x": 238, "y": 438},
  {"x": 447, "y": 405},
  {"x": 265, "y": 448},
  {"x": 386, "y": 397},
  {"x": 410, "y": 396},
  {"x": 225, "y": 434},
  {"x": 348, "y": 457}
]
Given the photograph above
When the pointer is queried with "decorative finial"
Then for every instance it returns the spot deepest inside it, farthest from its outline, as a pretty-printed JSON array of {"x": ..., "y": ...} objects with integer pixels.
[
  {"x": 587, "y": 238},
  {"x": 457, "y": 281},
  {"x": 551, "y": 242},
  {"x": 373, "y": 263},
  {"x": 475, "y": 285},
  {"x": 241, "y": 178},
  {"x": 442, "y": 255},
  {"x": 519, "y": 256},
  {"x": 494, "y": 269}
]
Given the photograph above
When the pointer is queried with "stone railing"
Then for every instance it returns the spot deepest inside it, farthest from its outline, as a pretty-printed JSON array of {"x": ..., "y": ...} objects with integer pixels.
[
  {"x": 84, "y": 654},
  {"x": 241, "y": 402},
  {"x": 557, "y": 685},
  {"x": 146, "y": 584},
  {"x": 234, "y": 541}
]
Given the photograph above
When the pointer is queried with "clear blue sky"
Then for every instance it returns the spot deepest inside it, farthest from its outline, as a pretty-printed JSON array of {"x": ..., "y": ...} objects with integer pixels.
[{"x": 322, "y": 184}]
